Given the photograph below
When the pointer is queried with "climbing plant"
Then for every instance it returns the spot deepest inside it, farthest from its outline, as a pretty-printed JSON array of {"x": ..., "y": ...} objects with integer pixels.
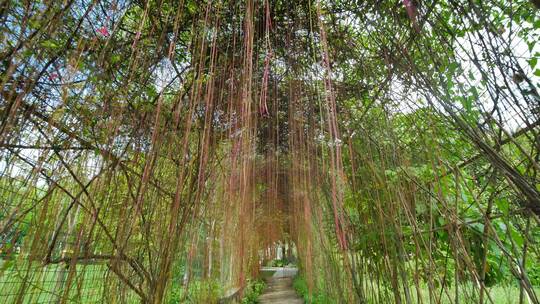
[{"x": 161, "y": 151}]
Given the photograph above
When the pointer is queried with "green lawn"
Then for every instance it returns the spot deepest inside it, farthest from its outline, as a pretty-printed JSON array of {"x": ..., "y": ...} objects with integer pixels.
[
  {"x": 499, "y": 295},
  {"x": 44, "y": 284}
]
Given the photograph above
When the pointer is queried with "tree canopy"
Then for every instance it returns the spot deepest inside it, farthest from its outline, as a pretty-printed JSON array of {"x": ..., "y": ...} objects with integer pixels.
[{"x": 159, "y": 151}]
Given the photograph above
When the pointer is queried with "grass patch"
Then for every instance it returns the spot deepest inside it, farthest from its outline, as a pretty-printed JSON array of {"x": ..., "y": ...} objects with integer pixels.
[
  {"x": 265, "y": 274},
  {"x": 199, "y": 291},
  {"x": 46, "y": 284},
  {"x": 500, "y": 294}
]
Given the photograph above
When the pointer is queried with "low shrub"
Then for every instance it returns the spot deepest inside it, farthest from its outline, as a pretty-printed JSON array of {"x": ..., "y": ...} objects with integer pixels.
[
  {"x": 252, "y": 291},
  {"x": 204, "y": 292},
  {"x": 316, "y": 297}
]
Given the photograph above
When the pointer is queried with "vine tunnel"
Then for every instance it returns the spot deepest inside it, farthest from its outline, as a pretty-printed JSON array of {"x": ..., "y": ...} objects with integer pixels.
[{"x": 157, "y": 151}]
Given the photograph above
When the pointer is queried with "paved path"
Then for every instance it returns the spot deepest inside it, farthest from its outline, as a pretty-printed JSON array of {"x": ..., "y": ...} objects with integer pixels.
[{"x": 279, "y": 288}]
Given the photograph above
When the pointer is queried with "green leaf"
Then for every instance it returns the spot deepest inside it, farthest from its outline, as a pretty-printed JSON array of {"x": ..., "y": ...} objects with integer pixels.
[
  {"x": 474, "y": 92},
  {"x": 452, "y": 67},
  {"x": 191, "y": 6},
  {"x": 532, "y": 62},
  {"x": 441, "y": 221},
  {"x": 34, "y": 23},
  {"x": 466, "y": 102},
  {"x": 531, "y": 45},
  {"x": 537, "y": 72},
  {"x": 502, "y": 205},
  {"x": 58, "y": 114},
  {"x": 478, "y": 227},
  {"x": 116, "y": 58},
  {"x": 517, "y": 237},
  {"x": 449, "y": 85},
  {"x": 49, "y": 44}
]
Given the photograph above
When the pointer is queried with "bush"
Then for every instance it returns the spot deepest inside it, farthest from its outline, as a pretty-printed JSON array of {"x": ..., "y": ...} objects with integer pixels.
[
  {"x": 278, "y": 263},
  {"x": 176, "y": 294},
  {"x": 204, "y": 292},
  {"x": 253, "y": 291},
  {"x": 534, "y": 275},
  {"x": 317, "y": 296}
]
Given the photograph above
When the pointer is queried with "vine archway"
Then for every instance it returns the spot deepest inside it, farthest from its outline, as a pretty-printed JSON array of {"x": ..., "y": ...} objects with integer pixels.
[{"x": 157, "y": 151}]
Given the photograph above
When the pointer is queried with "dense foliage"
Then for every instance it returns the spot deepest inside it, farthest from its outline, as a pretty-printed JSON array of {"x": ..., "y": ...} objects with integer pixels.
[{"x": 162, "y": 151}]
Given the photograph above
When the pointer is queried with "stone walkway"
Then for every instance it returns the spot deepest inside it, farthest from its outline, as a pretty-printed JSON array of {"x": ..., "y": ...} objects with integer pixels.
[{"x": 279, "y": 288}]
